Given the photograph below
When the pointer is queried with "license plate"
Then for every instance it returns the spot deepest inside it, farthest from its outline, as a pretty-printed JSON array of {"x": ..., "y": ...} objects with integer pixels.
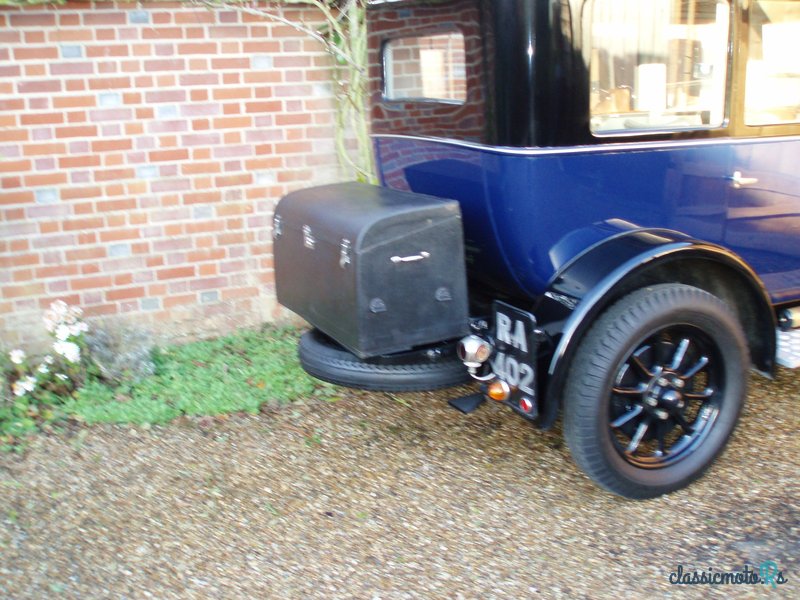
[{"x": 515, "y": 352}]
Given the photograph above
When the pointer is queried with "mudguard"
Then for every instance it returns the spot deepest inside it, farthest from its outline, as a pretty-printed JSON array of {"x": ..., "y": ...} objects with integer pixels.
[{"x": 585, "y": 285}]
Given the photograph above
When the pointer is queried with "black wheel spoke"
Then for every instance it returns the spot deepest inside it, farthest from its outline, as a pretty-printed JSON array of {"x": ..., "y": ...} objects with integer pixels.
[
  {"x": 636, "y": 361},
  {"x": 699, "y": 366},
  {"x": 680, "y": 420},
  {"x": 637, "y": 437},
  {"x": 637, "y": 391},
  {"x": 680, "y": 354},
  {"x": 626, "y": 418},
  {"x": 662, "y": 443},
  {"x": 704, "y": 395}
]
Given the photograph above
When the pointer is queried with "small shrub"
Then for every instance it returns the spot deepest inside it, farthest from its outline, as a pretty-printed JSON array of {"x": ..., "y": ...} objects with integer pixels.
[{"x": 34, "y": 389}]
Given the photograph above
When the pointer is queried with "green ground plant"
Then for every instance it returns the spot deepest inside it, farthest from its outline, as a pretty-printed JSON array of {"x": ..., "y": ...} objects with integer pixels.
[
  {"x": 240, "y": 372},
  {"x": 236, "y": 373}
]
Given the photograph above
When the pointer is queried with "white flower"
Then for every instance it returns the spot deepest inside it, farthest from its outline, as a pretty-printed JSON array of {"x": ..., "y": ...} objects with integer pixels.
[
  {"x": 59, "y": 308},
  {"x": 78, "y": 328},
  {"x": 24, "y": 385},
  {"x": 62, "y": 377},
  {"x": 57, "y": 315},
  {"x": 17, "y": 356},
  {"x": 69, "y": 350},
  {"x": 49, "y": 321},
  {"x": 49, "y": 359},
  {"x": 43, "y": 368},
  {"x": 62, "y": 332}
]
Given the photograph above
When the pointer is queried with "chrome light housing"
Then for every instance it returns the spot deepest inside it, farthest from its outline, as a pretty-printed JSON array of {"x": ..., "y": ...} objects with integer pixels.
[{"x": 473, "y": 351}]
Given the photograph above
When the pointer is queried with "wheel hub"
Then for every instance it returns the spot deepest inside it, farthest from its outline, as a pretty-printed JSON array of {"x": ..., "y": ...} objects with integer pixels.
[{"x": 663, "y": 395}]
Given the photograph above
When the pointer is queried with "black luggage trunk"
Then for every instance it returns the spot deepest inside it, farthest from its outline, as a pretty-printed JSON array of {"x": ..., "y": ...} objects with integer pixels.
[{"x": 378, "y": 270}]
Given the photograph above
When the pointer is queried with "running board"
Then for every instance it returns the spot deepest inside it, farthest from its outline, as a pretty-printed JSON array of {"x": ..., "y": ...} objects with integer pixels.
[{"x": 789, "y": 348}]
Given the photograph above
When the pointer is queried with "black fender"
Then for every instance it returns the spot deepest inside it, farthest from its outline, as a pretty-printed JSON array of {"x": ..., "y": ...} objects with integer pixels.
[{"x": 589, "y": 283}]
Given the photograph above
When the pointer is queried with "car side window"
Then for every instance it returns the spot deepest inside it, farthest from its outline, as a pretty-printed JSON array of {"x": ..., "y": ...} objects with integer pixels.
[
  {"x": 772, "y": 93},
  {"x": 658, "y": 65},
  {"x": 426, "y": 68}
]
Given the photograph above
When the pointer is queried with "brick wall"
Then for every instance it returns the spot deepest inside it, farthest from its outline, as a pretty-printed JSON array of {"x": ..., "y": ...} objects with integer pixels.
[{"x": 142, "y": 150}]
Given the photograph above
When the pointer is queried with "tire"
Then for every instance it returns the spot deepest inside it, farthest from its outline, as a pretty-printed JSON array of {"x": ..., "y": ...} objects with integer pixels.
[
  {"x": 655, "y": 390},
  {"x": 429, "y": 368}
]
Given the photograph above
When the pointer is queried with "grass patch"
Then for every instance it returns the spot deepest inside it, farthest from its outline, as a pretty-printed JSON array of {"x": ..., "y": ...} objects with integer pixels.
[{"x": 236, "y": 373}]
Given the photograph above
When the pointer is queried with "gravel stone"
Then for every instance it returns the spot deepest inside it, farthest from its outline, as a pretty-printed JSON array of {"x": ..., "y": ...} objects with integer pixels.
[{"x": 385, "y": 496}]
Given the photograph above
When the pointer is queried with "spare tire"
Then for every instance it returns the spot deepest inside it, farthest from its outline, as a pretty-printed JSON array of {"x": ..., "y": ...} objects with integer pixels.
[{"x": 426, "y": 368}]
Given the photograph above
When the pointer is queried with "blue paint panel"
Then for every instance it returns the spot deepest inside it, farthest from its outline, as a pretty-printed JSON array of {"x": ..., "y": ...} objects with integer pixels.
[{"x": 527, "y": 213}]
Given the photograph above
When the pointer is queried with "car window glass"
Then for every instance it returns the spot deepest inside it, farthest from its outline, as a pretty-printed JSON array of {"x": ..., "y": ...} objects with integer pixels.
[
  {"x": 658, "y": 65},
  {"x": 428, "y": 67},
  {"x": 772, "y": 93}
]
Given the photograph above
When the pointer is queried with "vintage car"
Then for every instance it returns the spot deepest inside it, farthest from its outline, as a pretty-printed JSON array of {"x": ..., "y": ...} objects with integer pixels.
[{"x": 591, "y": 207}]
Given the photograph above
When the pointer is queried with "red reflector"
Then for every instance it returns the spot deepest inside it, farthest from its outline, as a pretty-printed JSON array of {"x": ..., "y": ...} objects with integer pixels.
[{"x": 526, "y": 404}]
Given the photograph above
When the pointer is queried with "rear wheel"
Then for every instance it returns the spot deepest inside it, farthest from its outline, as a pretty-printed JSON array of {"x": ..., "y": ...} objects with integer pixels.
[
  {"x": 655, "y": 390},
  {"x": 428, "y": 368}
]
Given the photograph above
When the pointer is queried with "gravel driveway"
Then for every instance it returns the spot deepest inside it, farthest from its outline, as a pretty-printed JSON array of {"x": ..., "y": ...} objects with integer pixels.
[{"x": 382, "y": 496}]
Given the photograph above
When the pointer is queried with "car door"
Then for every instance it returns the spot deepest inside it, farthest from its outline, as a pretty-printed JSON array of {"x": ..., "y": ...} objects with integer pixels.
[{"x": 763, "y": 223}]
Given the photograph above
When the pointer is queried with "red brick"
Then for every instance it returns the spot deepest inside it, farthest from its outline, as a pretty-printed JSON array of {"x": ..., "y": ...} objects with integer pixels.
[
  {"x": 257, "y": 107},
  {"x": 200, "y": 197},
  {"x": 70, "y": 35},
  {"x": 230, "y": 63},
  {"x": 88, "y": 283},
  {"x": 112, "y": 174},
  {"x": 108, "y": 83},
  {"x": 57, "y": 271},
  {"x": 188, "y": 79},
  {"x": 99, "y": 17},
  {"x": 72, "y": 68},
  {"x": 119, "y": 234},
  {"x": 37, "y": 149},
  {"x": 165, "y": 96},
  {"x": 176, "y": 273},
  {"x": 76, "y": 131},
  {"x": 195, "y": 17},
  {"x": 197, "y": 48},
  {"x": 22, "y": 291},
  {"x": 14, "y": 135},
  {"x": 41, "y": 53},
  {"x": 108, "y": 50},
  {"x": 41, "y": 118},
  {"x": 74, "y": 101},
  {"x": 165, "y": 64},
  {"x": 11, "y": 182},
  {"x": 33, "y": 20},
  {"x": 125, "y": 293},
  {"x": 76, "y": 193},
  {"x": 111, "y": 145},
  {"x": 79, "y": 162},
  {"x": 38, "y": 87},
  {"x": 169, "y": 155},
  {"x": 111, "y": 114},
  {"x": 83, "y": 224},
  {"x": 75, "y": 85},
  {"x": 48, "y": 179},
  {"x": 238, "y": 32},
  {"x": 86, "y": 253},
  {"x": 162, "y": 33}
]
